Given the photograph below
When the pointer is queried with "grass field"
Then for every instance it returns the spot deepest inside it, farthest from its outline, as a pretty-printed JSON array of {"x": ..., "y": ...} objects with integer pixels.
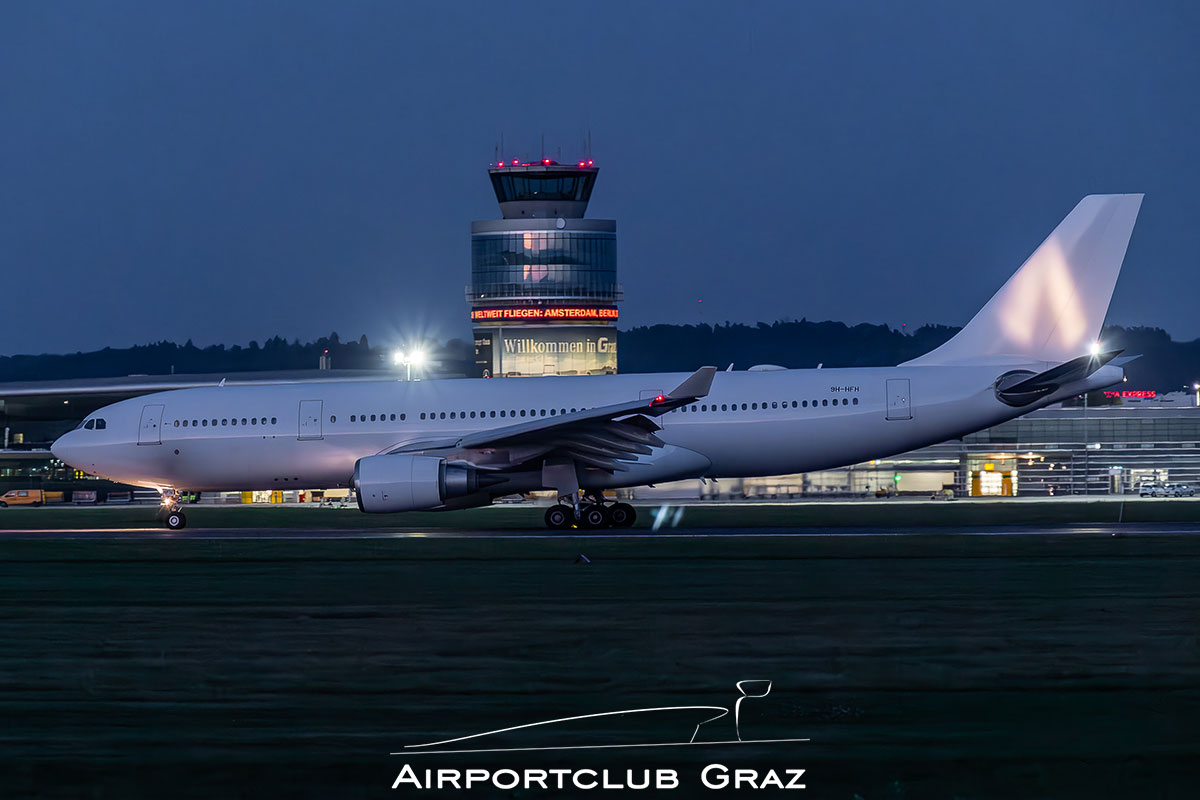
[{"x": 936, "y": 666}]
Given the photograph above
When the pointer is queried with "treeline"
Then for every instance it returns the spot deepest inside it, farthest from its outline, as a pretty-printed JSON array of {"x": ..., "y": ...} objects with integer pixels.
[
  {"x": 163, "y": 358},
  {"x": 669, "y": 348},
  {"x": 1166, "y": 365}
]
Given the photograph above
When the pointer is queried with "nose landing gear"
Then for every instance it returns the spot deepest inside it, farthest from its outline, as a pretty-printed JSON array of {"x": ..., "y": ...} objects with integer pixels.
[{"x": 171, "y": 512}]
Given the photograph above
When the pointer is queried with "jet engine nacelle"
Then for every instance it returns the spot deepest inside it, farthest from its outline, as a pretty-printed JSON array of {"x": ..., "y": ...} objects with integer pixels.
[{"x": 409, "y": 483}]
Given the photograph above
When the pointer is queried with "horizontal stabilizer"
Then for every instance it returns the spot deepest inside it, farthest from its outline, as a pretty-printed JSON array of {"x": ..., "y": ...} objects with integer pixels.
[{"x": 1021, "y": 388}]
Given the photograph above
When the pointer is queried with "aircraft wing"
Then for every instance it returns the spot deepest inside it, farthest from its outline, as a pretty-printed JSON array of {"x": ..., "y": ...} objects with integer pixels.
[{"x": 601, "y": 437}]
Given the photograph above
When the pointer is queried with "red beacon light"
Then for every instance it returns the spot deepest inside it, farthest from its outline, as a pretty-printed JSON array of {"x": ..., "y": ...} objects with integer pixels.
[
  {"x": 581, "y": 164},
  {"x": 589, "y": 162},
  {"x": 658, "y": 400}
]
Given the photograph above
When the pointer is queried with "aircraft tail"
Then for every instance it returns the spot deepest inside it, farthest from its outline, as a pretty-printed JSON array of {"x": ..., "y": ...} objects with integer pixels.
[{"x": 1053, "y": 307}]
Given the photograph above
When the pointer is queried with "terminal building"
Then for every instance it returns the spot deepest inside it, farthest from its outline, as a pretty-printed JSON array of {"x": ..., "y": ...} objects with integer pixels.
[{"x": 544, "y": 289}]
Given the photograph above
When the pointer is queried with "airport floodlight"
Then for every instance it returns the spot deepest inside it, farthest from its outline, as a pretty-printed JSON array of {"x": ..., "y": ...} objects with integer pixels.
[{"x": 413, "y": 358}]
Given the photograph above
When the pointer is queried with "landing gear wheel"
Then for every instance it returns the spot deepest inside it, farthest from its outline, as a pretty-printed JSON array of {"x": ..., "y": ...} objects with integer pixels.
[
  {"x": 593, "y": 516},
  {"x": 559, "y": 517},
  {"x": 176, "y": 520},
  {"x": 622, "y": 515}
]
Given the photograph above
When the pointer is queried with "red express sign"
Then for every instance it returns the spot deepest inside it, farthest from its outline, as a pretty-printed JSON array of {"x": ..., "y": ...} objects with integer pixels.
[
  {"x": 549, "y": 314},
  {"x": 1149, "y": 393}
]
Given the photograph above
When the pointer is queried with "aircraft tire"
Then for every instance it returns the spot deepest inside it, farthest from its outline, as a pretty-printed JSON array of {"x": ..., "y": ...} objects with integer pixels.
[
  {"x": 622, "y": 515},
  {"x": 559, "y": 517},
  {"x": 176, "y": 520},
  {"x": 593, "y": 516}
]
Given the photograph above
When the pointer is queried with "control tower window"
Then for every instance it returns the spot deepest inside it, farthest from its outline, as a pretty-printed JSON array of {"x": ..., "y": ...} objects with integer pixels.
[
  {"x": 573, "y": 187},
  {"x": 537, "y": 263}
]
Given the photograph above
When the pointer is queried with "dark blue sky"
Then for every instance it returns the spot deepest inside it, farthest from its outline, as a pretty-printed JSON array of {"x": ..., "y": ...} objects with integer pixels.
[{"x": 227, "y": 171}]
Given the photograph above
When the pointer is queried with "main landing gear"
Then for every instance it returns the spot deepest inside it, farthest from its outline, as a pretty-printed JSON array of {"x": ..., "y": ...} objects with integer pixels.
[
  {"x": 171, "y": 512},
  {"x": 593, "y": 514}
]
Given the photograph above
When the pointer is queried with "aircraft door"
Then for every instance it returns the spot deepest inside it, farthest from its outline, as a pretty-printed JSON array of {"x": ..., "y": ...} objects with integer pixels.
[
  {"x": 150, "y": 427},
  {"x": 899, "y": 405},
  {"x": 310, "y": 419}
]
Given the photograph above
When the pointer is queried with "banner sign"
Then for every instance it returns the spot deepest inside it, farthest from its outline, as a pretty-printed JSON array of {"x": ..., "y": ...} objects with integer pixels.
[{"x": 543, "y": 314}]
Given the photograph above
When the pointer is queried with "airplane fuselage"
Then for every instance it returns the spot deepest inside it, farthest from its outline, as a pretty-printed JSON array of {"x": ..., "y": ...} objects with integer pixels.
[{"x": 750, "y": 424}]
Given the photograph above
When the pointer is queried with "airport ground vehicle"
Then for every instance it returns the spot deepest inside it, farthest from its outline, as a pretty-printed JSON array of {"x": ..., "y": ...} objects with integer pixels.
[
  {"x": 21, "y": 497},
  {"x": 1179, "y": 490}
]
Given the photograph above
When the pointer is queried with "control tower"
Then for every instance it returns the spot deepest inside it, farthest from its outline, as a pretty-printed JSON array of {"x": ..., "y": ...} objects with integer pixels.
[{"x": 544, "y": 288}]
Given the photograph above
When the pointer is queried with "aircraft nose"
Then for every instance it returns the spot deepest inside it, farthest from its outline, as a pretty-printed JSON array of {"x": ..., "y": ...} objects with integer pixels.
[{"x": 62, "y": 448}]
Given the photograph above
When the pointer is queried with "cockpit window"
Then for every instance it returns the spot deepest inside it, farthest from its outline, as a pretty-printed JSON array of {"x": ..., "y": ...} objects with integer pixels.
[
  {"x": 101, "y": 424},
  {"x": 90, "y": 424}
]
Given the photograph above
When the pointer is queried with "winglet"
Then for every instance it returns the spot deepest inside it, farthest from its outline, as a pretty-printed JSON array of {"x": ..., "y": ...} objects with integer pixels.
[{"x": 697, "y": 385}]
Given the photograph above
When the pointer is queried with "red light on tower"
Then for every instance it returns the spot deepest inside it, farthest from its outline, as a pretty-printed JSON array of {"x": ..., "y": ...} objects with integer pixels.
[
  {"x": 589, "y": 162},
  {"x": 581, "y": 164}
]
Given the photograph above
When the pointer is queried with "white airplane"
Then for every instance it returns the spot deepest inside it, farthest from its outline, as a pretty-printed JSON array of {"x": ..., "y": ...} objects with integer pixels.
[{"x": 460, "y": 443}]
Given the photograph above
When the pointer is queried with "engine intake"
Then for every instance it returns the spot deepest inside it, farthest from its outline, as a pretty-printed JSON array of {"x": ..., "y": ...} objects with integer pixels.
[{"x": 409, "y": 483}]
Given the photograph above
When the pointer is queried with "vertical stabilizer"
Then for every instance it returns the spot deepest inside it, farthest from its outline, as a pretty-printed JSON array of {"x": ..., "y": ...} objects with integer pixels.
[{"x": 1053, "y": 307}]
